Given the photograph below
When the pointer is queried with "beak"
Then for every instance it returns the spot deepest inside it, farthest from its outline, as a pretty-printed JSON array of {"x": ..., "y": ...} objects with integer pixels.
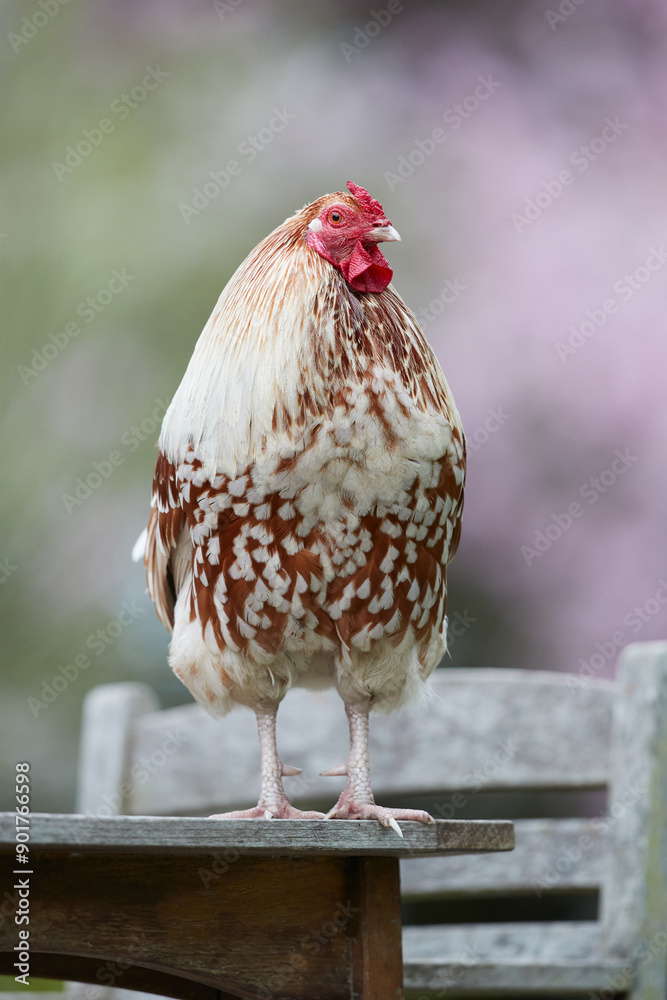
[{"x": 385, "y": 234}]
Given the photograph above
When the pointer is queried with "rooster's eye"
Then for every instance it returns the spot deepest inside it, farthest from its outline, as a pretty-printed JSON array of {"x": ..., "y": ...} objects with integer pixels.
[{"x": 335, "y": 218}]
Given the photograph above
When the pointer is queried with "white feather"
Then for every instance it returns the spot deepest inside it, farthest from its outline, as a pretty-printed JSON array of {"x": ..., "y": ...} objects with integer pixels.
[
  {"x": 139, "y": 547},
  {"x": 248, "y": 357}
]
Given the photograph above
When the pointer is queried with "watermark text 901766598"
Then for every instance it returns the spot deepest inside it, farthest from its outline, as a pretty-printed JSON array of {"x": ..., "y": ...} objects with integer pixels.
[{"x": 23, "y": 872}]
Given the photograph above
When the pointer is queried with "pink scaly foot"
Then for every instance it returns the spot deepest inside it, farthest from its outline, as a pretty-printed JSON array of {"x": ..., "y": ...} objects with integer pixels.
[
  {"x": 356, "y": 801},
  {"x": 273, "y": 802},
  {"x": 283, "y": 811},
  {"x": 348, "y": 807}
]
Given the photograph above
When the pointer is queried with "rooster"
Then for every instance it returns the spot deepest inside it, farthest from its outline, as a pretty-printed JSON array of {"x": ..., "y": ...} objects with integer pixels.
[{"x": 308, "y": 494}]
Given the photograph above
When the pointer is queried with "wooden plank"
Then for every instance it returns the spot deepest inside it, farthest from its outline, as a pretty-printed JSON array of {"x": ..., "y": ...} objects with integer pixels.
[
  {"x": 259, "y": 924},
  {"x": 483, "y": 728},
  {"x": 377, "y": 961},
  {"x": 550, "y": 856},
  {"x": 108, "y": 713},
  {"x": 89, "y": 970},
  {"x": 548, "y": 943},
  {"x": 634, "y": 898},
  {"x": 177, "y": 835},
  {"x": 515, "y": 959}
]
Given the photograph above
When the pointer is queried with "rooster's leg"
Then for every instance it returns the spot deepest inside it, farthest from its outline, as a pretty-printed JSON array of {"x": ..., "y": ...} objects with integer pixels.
[
  {"x": 273, "y": 802},
  {"x": 356, "y": 801}
]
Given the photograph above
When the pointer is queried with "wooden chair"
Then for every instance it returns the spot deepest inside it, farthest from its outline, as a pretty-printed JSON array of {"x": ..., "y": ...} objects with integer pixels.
[{"x": 486, "y": 730}]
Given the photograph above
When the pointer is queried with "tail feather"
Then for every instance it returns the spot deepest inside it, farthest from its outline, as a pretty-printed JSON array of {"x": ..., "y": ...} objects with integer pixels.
[{"x": 139, "y": 547}]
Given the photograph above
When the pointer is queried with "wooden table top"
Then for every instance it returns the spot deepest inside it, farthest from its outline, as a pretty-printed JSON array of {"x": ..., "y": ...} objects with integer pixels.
[{"x": 198, "y": 835}]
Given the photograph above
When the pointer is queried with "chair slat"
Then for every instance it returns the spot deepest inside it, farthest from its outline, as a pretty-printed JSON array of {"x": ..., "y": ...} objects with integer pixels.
[
  {"x": 483, "y": 728},
  {"x": 550, "y": 855},
  {"x": 512, "y": 959},
  {"x": 108, "y": 713}
]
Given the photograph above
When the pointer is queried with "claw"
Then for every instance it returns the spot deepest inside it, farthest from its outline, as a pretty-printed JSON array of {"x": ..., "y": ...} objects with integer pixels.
[
  {"x": 394, "y": 825},
  {"x": 288, "y": 771},
  {"x": 338, "y": 771}
]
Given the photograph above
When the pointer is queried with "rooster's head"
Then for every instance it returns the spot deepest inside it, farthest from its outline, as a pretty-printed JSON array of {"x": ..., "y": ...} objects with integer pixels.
[{"x": 346, "y": 232}]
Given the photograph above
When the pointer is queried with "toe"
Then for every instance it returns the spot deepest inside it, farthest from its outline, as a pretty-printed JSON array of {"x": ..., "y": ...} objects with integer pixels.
[
  {"x": 258, "y": 812},
  {"x": 306, "y": 814},
  {"x": 345, "y": 809}
]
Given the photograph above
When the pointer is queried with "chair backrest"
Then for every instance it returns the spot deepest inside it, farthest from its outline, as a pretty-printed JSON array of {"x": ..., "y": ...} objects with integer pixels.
[
  {"x": 496, "y": 729},
  {"x": 483, "y": 730}
]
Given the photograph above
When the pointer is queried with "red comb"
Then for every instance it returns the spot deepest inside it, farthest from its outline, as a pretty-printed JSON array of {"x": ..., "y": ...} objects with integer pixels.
[{"x": 372, "y": 207}]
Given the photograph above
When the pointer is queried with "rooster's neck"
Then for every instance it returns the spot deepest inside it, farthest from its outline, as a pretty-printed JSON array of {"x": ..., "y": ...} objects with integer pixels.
[{"x": 286, "y": 344}]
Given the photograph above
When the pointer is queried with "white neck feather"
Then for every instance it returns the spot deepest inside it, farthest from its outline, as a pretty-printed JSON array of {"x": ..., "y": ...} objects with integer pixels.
[{"x": 251, "y": 356}]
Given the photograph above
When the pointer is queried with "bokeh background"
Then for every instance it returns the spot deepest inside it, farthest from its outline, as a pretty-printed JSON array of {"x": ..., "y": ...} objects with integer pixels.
[{"x": 534, "y": 239}]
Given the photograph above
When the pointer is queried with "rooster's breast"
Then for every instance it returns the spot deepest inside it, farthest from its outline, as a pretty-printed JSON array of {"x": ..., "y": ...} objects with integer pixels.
[{"x": 334, "y": 543}]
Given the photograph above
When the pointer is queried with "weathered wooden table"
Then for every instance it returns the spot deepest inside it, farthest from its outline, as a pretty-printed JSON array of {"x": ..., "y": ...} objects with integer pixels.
[{"x": 215, "y": 909}]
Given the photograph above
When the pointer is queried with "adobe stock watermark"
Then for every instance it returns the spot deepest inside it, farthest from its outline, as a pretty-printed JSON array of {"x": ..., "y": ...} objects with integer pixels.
[
  {"x": 457, "y": 625},
  {"x": 32, "y": 24},
  {"x": 581, "y": 158},
  {"x": 626, "y": 287},
  {"x": 470, "y": 957},
  {"x": 310, "y": 945},
  {"x": 121, "y": 109},
  {"x": 247, "y": 150},
  {"x": 142, "y": 771},
  {"x": 454, "y": 117},
  {"x": 110, "y": 972},
  {"x": 449, "y": 293},
  {"x": 570, "y": 856},
  {"x": 223, "y": 7},
  {"x": 114, "y": 803},
  {"x": 647, "y": 951},
  {"x": 478, "y": 778},
  {"x": 363, "y": 36},
  {"x": 494, "y": 420},
  {"x": 97, "y": 643},
  {"x": 607, "y": 651},
  {"x": 7, "y": 569},
  {"x": 565, "y": 9},
  {"x": 591, "y": 491},
  {"x": 130, "y": 440},
  {"x": 221, "y": 864},
  {"x": 88, "y": 310}
]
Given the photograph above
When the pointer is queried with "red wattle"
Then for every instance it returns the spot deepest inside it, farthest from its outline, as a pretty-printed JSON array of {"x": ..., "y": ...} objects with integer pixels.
[{"x": 367, "y": 270}]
